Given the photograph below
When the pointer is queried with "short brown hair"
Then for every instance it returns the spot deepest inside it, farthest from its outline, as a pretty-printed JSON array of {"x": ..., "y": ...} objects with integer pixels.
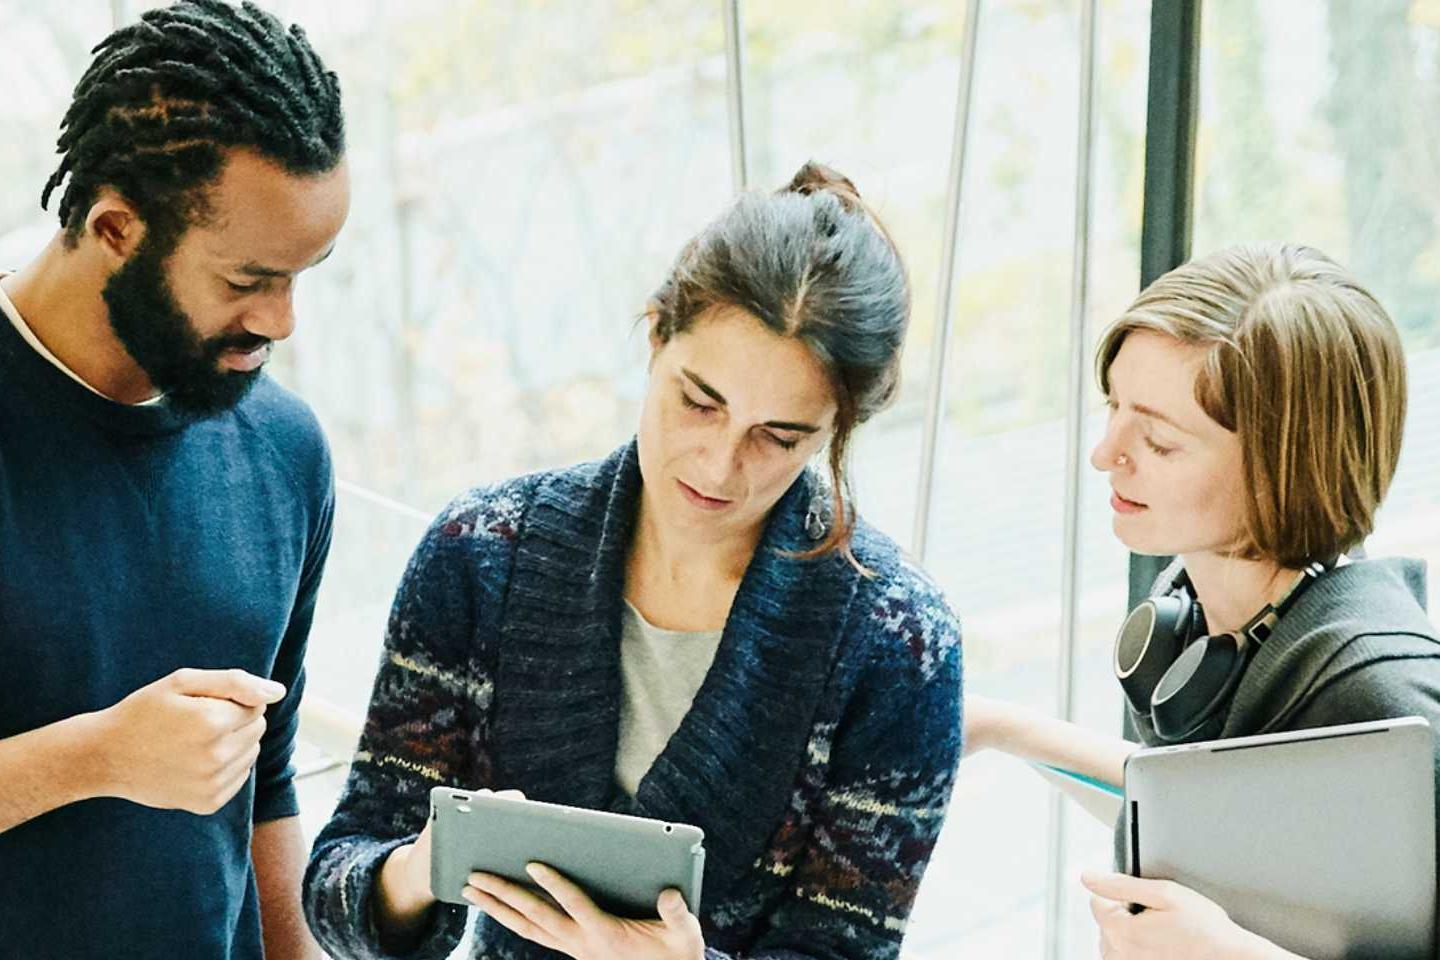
[{"x": 1306, "y": 367}]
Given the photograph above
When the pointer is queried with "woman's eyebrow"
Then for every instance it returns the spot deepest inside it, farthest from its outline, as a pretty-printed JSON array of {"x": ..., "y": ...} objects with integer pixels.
[
  {"x": 708, "y": 390},
  {"x": 715, "y": 395},
  {"x": 792, "y": 425},
  {"x": 1151, "y": 412}
]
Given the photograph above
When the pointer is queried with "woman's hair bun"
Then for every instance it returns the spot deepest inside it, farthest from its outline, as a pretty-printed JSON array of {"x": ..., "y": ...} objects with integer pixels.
[{"x": 816, "y": 178}]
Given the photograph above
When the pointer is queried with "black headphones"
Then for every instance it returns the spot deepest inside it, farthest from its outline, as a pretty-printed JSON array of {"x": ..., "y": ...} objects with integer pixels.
[{"x": 1178, "y": 677}]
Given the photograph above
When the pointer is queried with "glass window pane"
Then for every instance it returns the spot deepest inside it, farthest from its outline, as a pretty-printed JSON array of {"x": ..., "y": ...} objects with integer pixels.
[
  {"x": 47, "y": 49},
  {"x": 996, "y": 533}
]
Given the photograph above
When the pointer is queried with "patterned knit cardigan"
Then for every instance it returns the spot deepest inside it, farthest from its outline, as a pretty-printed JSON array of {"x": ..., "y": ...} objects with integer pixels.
[{"x": 818, "y": 755}]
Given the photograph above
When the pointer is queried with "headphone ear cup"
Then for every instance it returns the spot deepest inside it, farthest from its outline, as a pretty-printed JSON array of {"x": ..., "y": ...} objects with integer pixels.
[
  {"x": 1190, "y": 696},
  {"x": 1148, "y": 643}
]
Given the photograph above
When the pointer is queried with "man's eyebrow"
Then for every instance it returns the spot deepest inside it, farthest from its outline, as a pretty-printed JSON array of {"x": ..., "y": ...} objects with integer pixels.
[
  {"x": 253, "y": 269},
  {"x": 715, "y": 395}
]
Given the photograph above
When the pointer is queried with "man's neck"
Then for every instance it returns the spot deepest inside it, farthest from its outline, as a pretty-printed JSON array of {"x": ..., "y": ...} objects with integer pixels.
[
  {"x": 1232, "y": 590},
  {"x": 59, "y": 297}
]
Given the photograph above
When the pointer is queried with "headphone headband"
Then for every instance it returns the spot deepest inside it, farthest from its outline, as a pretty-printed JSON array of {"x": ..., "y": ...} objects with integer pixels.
[{"x": 1259, "y": 627}]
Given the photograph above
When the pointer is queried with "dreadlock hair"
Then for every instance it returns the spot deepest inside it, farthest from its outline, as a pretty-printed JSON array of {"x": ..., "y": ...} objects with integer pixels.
[{"x": 165, "y": 97}]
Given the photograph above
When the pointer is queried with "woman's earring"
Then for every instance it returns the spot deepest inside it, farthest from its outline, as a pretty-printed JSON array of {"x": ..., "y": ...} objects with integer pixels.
[{"x": 1121, "y": 460}]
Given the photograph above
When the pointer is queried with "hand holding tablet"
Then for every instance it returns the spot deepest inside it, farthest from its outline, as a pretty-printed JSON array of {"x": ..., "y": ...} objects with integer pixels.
[
  {"x": 562, "y": 917},
  {"x": 622, "y": 863}
]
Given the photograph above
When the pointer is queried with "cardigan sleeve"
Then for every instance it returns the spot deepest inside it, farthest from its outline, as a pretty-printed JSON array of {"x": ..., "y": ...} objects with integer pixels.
[
  {"x": 427, "y": 726},
  {"x": 892, "y": 767}
]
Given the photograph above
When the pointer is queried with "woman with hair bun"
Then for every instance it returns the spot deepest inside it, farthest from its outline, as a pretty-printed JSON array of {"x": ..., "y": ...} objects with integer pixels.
[{"x": 699, "y": 628}]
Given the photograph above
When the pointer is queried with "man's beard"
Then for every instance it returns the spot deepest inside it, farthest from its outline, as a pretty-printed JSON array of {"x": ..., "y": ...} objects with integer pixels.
[{"x": 162, "y": 340}]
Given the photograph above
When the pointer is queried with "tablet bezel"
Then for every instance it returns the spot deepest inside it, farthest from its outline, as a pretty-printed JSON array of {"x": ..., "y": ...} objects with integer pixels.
[{"x": 624, "y": 863}]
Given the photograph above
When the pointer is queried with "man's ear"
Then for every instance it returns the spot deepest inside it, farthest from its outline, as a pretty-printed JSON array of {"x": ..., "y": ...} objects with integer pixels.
[{"x": 115, "y": 226}]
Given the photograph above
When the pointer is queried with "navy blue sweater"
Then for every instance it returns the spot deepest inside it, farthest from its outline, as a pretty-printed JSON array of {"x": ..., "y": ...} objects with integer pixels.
[
  {"x": 134, "y": 542},
  {"x": 818, "y": 755}
]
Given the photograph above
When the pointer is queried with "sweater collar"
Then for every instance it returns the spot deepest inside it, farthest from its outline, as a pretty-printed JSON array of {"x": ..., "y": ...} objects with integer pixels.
[
  {"x": 1365, "y": 611},
  {"x": 732, "y": 764}
]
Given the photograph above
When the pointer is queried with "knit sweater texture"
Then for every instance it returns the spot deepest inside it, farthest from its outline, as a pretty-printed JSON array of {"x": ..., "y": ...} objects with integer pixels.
[{"x": 818, "y": 755}]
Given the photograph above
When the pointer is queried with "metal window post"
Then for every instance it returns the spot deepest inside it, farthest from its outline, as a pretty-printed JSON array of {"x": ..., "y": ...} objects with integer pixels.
[
  {"x": 1057, "y": 885},
  {"x": 1167, "y": 220},
  {"x": 944, "y": 316},
  {"x": 735, "y": 90}
]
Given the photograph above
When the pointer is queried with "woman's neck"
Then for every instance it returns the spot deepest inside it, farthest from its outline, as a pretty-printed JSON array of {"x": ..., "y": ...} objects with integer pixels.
[
  {"x": 1232, "y": 590},
  {"x": 671, "y": 556},
  {"x": 678, "y": 581}
]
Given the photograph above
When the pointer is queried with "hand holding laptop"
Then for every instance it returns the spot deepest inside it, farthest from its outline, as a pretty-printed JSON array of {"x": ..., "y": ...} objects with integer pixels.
[
  {"x": 1321, "y": 841},
  {"x": 1176, "y": 923}
]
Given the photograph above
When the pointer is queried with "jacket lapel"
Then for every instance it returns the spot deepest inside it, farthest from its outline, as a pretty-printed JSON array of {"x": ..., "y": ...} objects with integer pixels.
[{"x": 558, "y": 676}]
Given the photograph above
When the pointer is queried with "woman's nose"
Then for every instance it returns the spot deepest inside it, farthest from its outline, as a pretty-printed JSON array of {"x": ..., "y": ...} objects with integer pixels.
[{"x": 1106, "y": 454}]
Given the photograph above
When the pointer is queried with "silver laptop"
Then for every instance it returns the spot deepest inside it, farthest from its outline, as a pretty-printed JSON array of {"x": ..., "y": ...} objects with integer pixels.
[{"x": 1321, "y": 840}]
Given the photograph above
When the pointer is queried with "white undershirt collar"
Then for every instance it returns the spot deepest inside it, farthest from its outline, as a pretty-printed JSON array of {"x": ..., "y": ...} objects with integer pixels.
[{"x": 7, "y": 307}]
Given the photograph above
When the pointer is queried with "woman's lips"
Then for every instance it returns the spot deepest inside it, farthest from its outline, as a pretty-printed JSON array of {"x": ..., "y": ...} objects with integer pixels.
[
  {"x": 1120, "y": 505},
  {"x": 700, "y": 500}
]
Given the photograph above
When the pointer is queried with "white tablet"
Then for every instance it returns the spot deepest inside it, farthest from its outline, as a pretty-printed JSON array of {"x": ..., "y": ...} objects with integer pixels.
[
  {"x": 1321, "y": 840},
  {"x": 623, "y": 863}
]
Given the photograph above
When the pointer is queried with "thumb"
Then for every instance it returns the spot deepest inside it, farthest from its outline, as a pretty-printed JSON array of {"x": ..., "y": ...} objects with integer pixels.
[
  {"x": 423, "y": 840},
  {"x": 672, "y": 908},
  {"x": 244, "y": 688},
  {"x": 1123, "y": 888}
]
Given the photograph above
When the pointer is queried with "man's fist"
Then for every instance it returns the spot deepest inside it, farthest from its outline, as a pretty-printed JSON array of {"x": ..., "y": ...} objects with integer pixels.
[{"x": 186, "y": 741}]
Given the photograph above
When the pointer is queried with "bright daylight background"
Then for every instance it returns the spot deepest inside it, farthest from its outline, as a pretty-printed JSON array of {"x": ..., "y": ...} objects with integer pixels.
[{"x": 526, "y": 169}]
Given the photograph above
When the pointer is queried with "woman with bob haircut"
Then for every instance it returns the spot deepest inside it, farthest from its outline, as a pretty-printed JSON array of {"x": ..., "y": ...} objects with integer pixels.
[
  {"x": 1257, "y": 401},
  {"x": 697, "y": 629}
]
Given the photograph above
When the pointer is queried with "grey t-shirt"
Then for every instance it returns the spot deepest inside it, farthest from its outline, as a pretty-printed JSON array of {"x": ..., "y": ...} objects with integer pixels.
[{"x": 660, "y": 673}]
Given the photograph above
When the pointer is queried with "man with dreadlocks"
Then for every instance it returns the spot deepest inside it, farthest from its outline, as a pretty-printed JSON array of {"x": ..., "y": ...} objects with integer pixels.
[{"x": 165, "y": 510}]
